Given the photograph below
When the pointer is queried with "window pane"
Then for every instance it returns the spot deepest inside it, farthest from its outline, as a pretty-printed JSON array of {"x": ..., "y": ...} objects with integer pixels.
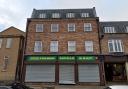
[
  {"x": 87, "y": 27},
  {"x": 39, "y": 27},
  {"x": 0, "y": 43},
  {"x": 70, "y": 15},
  {"x": 110, "y": 44},
  {"x": 54, "y": 46},
  {"x": 89, "y": 46},
  {"x": 43, "y": 15},
  {"x": 54, "y": 27},
  {"x": 84, "y": 14},
  {"x": 71, "y": 27},
  {"x": 38, "y": 46},
  {"x": 109, "y": 29},
  {"x": 71, "y": 46},
  {"x": 9, "y": 43}
]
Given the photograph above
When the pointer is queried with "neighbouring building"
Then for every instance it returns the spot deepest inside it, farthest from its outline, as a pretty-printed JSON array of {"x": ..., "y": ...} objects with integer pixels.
[
  {"x": 11, "y": 55},
  {"x": 114, "y": 45},
  {"x": 62, "y": 47}
]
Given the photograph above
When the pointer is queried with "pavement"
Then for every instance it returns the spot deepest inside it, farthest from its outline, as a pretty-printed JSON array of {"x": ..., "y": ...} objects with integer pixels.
[{"x": 80, "y": 86}]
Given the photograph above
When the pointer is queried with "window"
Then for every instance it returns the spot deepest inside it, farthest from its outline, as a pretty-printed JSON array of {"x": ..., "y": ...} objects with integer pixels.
[
  {"x": 71, "y": 46},
  {"x": 70, "y": 15},
  {"x": 42, "y": 15},
  {"x": 55, "y": 15},
  {"x": 89, "y": 46},
  {"x": 1, "y": 43},
  {"x": 71, "y": 27},
  {"x": 87, "y": 27},
  {"x": 115, "y": 46},
  {"x": 5, "y": 63},
  {"x": 38, "y": 46},
  {"x": 9, "y": 43},
  {"x": 127, "y": 29},
  {"x": 39, "y": 27},
  {"x": 84, "y": 14},
  {"x": 54, "y": 46},
  {"x": 109, "y": 29},
  {"x": 54, "y": 27}
]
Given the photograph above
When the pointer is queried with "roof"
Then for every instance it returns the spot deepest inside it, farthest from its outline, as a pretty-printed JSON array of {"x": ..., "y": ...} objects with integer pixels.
[
  {"x": 120, "y": 26},
  {"x": 91, "y": 11}
]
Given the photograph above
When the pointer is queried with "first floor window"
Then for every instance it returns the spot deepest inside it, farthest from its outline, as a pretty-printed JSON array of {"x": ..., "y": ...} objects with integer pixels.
[
  {"x": 71, "y": 46},
  {"x": 54, "y": 46},
  {"x": 9, "y": 43},
  {"x": 38, "y": 46},
  {"x": 115, "y": 46},
  {"x": 1, "y": 42},
  {"x": 89, "y": 46},
  {"x": 54, "y": 27}
]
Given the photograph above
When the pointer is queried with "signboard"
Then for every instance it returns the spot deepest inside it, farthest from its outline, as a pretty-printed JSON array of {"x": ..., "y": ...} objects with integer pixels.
[
  {"x": 41, "y": 58},
  {"x": 86, "y": 58},
  {"x": 67, "y": 58},
  {"x": 60, "y": 58}
]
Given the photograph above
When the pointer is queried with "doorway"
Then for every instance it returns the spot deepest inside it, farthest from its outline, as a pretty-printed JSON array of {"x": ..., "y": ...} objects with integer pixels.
[{"x": 115, "y": 72}]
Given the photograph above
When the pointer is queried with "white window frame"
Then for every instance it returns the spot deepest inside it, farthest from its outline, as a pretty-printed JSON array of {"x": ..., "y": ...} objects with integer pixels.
[
  {"x": 117, "y": 46},
  {"x": 71, "y": 27},
  {"x": 38, "y": 46},
  {"x": 70, "y": 15},
  {"x": 54, "y": 46},
  {"x": 42, "y": 15},
  {"x": 88, "y": 46},
  {"x": 71, "y": 46},
  {"x": 84, "y": 15},
  {"x": 55, "y": 15},
  {"x": 9, "y": 42},
  {"x": 87, "y": 27},
  {"x": 54, "y": 27},
  {"x": 1, "y": 40},
  {"x": 109, "y": 29},
  {"x": 39, "y": 27}
]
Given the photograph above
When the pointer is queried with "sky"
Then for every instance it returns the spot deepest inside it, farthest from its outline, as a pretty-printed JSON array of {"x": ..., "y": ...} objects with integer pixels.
[{"x": 15, "y": 12}]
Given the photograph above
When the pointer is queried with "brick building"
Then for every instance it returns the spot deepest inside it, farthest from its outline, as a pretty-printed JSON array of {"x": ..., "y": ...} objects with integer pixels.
[
  {"x": 114, "y": 45},
  {"x": 11, "y": 52},
  {"x": 62, "y": 47}
]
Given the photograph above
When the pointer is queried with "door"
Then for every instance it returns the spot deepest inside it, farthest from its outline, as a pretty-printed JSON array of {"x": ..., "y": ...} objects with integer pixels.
[
  {"x": 88, "y": 73},
  {"x": 66, "y": 74},
  {"x": 40, "y": 73}
]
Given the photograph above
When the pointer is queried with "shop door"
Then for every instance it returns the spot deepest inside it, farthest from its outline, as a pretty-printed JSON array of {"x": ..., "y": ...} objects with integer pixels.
[
  {"x": 66, "y": 74},
  {"x": 88, "y": 73},
  {"x": 40, "y": 73}
]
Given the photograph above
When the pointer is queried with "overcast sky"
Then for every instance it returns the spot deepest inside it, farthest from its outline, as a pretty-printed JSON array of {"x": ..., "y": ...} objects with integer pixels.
[{"x": 15, "y": 12}]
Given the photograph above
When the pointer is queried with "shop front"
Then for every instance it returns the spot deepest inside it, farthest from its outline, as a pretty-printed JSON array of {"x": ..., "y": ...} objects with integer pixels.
[
  {"x": 62, "y": 69},
  {"x": 115, "y": 68}
]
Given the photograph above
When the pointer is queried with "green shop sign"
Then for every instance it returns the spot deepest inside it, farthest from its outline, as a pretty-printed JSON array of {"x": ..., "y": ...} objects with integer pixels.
[
  {"x": 86, "y": 58},
  {"x": 65, "y": 58},
  {"x": 40, "y": 58},
  {"x": 60, "y": 58}
]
